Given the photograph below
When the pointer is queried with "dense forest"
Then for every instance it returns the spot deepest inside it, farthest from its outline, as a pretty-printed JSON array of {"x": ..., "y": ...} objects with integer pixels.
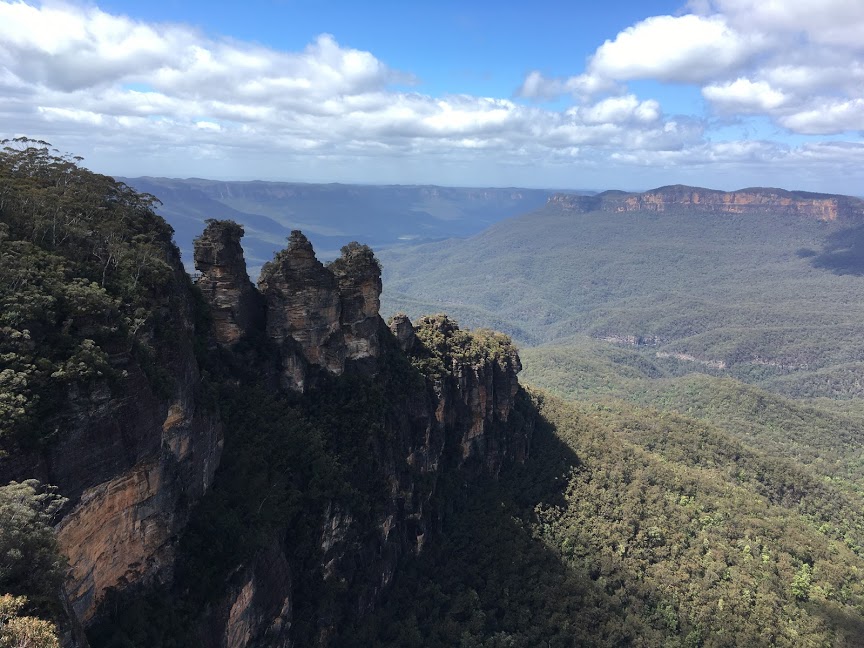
[
  {"x": 630, "y": 527},
  {"x": 656, "y": 506}
]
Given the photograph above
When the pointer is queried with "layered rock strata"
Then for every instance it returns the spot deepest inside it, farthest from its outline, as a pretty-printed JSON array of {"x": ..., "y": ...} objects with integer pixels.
[
  {"x": 822, "y": 207},
  {"x": 235, "y": 306},
  {"x": 319, "y": 317}
]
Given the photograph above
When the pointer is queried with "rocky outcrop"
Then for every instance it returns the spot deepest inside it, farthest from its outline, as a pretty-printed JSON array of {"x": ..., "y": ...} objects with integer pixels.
[
  {"x": 358, "y": 274},
  {"x": 402, "y": 329},
  {"x": 304, "y": 310},
  {"x": 320, "y": 318},
  {"x": 235, "y": 305},
  {"x": 824, "y": 207},
  {"x": 476, "y": 391}
]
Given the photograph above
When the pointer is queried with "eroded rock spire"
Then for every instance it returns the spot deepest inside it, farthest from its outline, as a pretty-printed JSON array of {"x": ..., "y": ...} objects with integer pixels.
[{"x": 236, "y": 306}]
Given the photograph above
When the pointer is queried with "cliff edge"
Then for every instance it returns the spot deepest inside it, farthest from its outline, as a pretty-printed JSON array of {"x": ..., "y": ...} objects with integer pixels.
[{"x": 824, "y": 207}]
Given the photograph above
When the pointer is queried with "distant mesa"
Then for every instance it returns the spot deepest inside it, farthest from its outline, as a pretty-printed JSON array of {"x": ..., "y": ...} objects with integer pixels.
[{"x": 824, "y": 207}]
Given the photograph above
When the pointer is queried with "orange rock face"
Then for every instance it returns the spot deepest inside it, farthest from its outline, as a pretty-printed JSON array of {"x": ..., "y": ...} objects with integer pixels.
[{"x": 821, "y": 207}]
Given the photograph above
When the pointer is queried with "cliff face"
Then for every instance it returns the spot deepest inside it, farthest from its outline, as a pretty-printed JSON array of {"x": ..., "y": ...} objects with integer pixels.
[
  {"x": 132, "y": 457},
  {"x": 454, "y": 429},
  {"x": 745, "y": 201},
  {"x": 455, "y": 425}
]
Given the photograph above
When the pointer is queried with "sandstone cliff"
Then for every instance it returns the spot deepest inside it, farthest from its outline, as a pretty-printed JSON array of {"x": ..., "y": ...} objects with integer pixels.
[
  {"x": 454, "y": 425},
  {"x": 321, "y": 317},
  {"x": 240, "y": 467},
  {"x": 822, "y": 207},
  {"x": 132, "y": 455}
]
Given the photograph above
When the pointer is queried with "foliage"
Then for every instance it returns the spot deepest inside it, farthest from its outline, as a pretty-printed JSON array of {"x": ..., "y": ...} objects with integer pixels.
[
  {"x": 18, "y": 631},
  {"x": 603, "y": 539},
  {"x": 85, "y": 275},
  {"x": 823, "y": 435},
  {"x": 443, "y": 345},
  {"x": 30, "y": 562}
]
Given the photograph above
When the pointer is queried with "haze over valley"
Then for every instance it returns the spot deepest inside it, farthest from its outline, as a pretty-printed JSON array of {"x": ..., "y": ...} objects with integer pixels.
[{"x": 431, "y": 325}]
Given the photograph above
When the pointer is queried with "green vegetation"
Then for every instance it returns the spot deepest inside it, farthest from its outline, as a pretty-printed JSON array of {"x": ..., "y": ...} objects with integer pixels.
[
  {"x": 631, "y": 528},
  {"x": 31, "y": 568},
  {"x": 443, "y": 344},
  {"x": 84, "y": 271},
  {"x": 18, "y": 631},
  {"x": 823, "y": 435},
  {"x": 718, "y": 288}
]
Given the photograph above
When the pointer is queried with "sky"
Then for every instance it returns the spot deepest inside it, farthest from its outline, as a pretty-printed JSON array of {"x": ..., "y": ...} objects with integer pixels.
[{"x": 620, "y": 94}]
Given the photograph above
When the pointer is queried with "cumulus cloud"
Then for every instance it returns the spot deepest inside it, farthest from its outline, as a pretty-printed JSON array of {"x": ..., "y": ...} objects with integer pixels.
[
  {"x": 744, "y": 96},
  {"x": 831, "y": 116},
  {"x": 687, "y": 48},
  {"x": 797, "y": 62},
  {"x": 170, "y": 86},
  {"x": 105, "y": 82},
  {"x": 538, "y": 86},
  {"x": 832, "y": 22}
]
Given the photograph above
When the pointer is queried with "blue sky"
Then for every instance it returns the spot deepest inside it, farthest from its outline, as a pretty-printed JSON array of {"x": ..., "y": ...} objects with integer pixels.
[{"x": 719, "y": 93}]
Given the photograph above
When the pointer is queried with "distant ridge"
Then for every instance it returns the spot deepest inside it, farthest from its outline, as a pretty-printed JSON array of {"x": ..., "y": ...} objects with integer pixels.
[{"x": 824, "y": 207}]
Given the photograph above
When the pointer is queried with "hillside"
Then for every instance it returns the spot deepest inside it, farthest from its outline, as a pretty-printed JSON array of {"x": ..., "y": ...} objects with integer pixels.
[
  {"x": 332, "y": 215},
  {"x": 627, "y": 527},
  {"x": 225, "y": 464},
  {"x": 768, "y": 291},
  {"x": 222, "y": 464}
]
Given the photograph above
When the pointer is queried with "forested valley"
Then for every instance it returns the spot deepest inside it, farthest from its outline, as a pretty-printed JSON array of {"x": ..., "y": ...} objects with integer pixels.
[{"x": 188, "y": 463}]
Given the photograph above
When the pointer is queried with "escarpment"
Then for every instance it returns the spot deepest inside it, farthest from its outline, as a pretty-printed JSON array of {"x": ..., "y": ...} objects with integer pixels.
[
  {"x": 254, "y": 462},
  {"x": 447, "y": 418},
  {"x": 823, "y": 207},
  {"x": 112, "y": 413}
]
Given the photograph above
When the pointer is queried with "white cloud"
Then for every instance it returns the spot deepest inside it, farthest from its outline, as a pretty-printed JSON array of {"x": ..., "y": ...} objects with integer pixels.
[
  {"x": 537, "y": 86},
  {"x": 744, "y": 96},
  {"x": 620, "y": 110},
  {"x": 685, "y": 48},
  {"x": 172, "y": 87},
  {"x": 831, "y": 116},
  {"x": 832, "y": 22},
  {"x": 108, "y": 84},
  {"x": 797, "y": 62}
]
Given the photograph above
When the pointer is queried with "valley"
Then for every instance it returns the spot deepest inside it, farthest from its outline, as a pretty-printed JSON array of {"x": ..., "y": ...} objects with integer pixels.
[{"x": 671, "y": 456}]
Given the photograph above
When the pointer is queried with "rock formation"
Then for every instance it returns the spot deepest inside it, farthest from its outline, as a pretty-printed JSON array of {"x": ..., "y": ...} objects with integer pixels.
[
  {"x": 324, "y": 321},
  {"x": 359, "y": 277},
  {"x": 304, "y": 311},
  {"x": 134, "y": 457},
  {"x": 235, "y": 305},
  {"x": 456, "y": 429},
  {"x": 822, "y": 207},
  {"x": 319, "y": 317},
  {"x": 403, "y": 330}
]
